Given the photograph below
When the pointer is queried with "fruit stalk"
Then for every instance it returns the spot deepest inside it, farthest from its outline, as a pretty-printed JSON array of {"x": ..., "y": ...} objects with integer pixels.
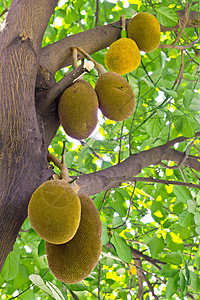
[
  {"x": 100, "y": 69},
  {"x": 123, "y": 31},
  {"x": 64, "y": 174}
]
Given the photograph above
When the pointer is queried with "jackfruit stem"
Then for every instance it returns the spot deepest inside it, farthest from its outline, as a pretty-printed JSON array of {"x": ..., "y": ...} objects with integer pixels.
[
  {"x": 100, "y": 69},
  {"x": 74, "y": 57},
  {"x": 61, "y": 165},
  {"x": 64, "y": 174},
  {"x": 123, "y": 31},
  {"x": 63, "y": 171},
  {"x": 54, "y": 159}
]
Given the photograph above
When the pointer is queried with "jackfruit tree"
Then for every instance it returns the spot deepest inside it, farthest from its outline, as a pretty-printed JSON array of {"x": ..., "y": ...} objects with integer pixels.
[{"x": 125, "y": 224}]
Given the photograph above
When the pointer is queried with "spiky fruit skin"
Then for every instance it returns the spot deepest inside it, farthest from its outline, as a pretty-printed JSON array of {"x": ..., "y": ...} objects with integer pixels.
[
  {"x": 74, "y": 261},
  {"x": 144, "y": 29},
  {"x": 54, "y": 211},
  {"x": 116, "y": 97},
  {"x": 77, "y": 110},
  {"x": 123, "y": 56}
]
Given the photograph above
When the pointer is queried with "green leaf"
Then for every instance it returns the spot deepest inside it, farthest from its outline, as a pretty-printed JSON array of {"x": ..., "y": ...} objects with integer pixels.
[
  {"x": 121, "y": 247},
  {"x": 174, "y": 242},
  {"x": 167, "y": 16},
  {"x": 21, "y": 281},
  {"x": 197, "y": 218},
  {"x": 1, "y": 280},
  {"x": 38, "y": 281},
  {"x": 191, "y": 206},
  {"x": 195, "y": 281},
  {"x": 105, "y": 237},
  {"x": 156, "y": 245},
  {"x": 158, "y": 212},
  {"x": 60, "y": 13},
  {"x": 70, "y": 16},
  {"x": 188, "y": 128},
  {"x": 182, "y": 281},
  {"x": 153, "y": 126},
  {"x": 51, "y": 33},
  {"x": 119, "y": 204},
  {"x": 80, "y": 286},
  {"x": 56, "y": 293},
  {"x": 172, "y": 286},
  {"x": 69, "y": 158},
  {"x": 169, "y": 270},
  {"x": 178, "y": 123},
  {"x": 11, "y": 265},
  {"x": 197, "y": 229},
  {"x": 182, "y": 193},
  {"x": 186, "y": 219},
  {"x": 171, "y": 93},
  {"x": 117, "y": 221},
  {"x": 195, "y": 103},
  {"x": 123, "y": 294},
  {"x": 178, "y": 207},
  {"x": 28, "y": 295},
  {"x": 171, "y": 258},
  {"x": 188, "y": 96},
  {"x": 197, "y": 258},
  {"x": 182, "y": 232},
  {"x": 41, "y": 248}
]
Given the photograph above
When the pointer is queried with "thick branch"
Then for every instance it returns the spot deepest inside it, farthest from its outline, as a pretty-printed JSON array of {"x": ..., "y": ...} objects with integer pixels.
[
  {"x": 59, "y": 55},
  {"x": 127, "y": 170}
]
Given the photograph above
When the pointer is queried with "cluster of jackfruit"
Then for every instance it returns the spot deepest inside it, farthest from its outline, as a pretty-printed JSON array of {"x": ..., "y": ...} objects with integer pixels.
[
  {"x": 71, "y": 227},
  {"x": 143, "y": 31},
  {"x": 79, "y": 103}
]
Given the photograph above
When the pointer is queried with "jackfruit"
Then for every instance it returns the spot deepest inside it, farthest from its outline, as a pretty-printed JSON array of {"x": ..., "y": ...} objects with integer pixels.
[
  {"x": 144, "y": 29},
  {"x": 74, "y": 261},
  {"x": 116, "y": 97},
  {"x": 54, "y": 211},
  {"x": 77, "y": 109},
  {"x": 123, "y": 56}
]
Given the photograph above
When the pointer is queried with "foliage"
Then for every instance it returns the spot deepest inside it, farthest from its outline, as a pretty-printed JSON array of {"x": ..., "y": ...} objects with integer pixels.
[{"x": 150, "y": 230}]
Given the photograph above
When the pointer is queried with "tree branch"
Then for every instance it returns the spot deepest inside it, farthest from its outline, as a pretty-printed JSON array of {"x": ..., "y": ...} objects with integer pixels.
[
  {"x": 73, "y": 295},
  {"x": 127, "y": 170},
  {"x": 3, "y": 13},
  {"x": 46, "y": 100}
]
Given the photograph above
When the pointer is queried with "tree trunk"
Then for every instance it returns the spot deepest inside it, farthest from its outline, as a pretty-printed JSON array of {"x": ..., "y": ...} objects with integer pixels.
[{"x": 23, "y": 163}]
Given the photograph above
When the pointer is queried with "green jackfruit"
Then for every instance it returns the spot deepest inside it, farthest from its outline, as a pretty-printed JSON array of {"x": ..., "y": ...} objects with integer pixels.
[
  {"x": 77, "y": 110},
  {"x": 74, "y": 261},
  {"x": 144, "y": 29},
  {"x": 123, "y": 56},
  {"x": 116, "y": 97},
  {"x": 54, "y": 211}
]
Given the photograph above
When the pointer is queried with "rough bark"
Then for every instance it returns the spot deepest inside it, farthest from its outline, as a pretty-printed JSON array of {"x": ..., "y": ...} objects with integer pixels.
[
  {"x": 23, "y": 164},
  {"x": 26, "y": 74}
]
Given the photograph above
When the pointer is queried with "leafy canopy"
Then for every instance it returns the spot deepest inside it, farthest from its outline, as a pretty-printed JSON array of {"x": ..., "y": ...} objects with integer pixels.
[{"x": 150, "y": 229}]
